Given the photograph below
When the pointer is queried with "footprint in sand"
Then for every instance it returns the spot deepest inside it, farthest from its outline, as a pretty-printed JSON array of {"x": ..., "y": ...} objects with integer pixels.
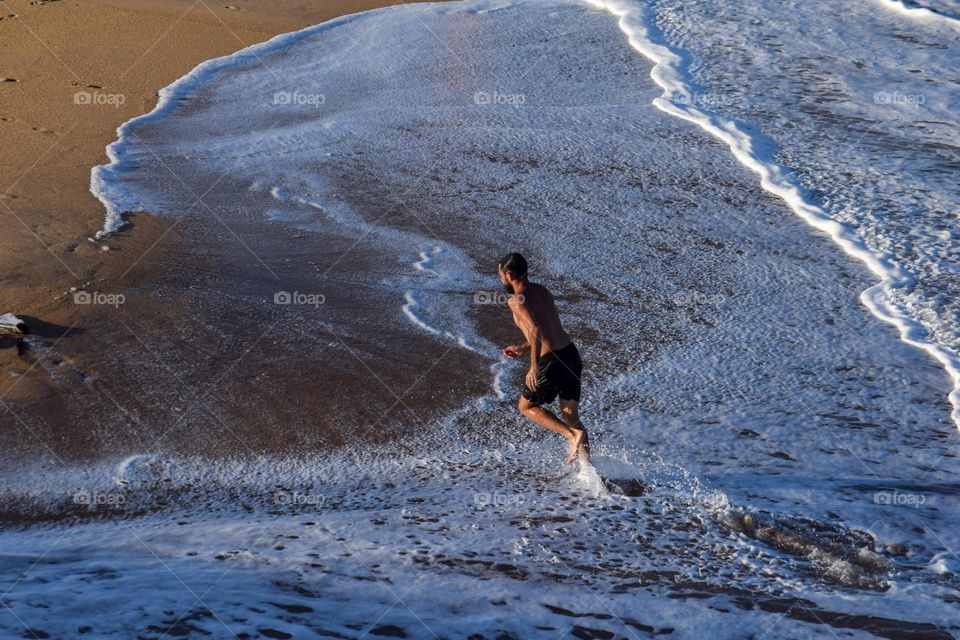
[{"x": 10, "y": 16}]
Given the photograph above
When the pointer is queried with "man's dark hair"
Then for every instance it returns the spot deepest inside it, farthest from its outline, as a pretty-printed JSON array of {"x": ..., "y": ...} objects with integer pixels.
[{"x": 515, "y": 264}]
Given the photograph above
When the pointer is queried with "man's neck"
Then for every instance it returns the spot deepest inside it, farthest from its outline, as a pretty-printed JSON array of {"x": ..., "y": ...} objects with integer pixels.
[{"x": 520, "y": 287}]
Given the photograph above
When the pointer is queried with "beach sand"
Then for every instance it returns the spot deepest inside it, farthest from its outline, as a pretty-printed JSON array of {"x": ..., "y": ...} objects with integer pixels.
[
  {"x": 102, "y": 379},
  {"x": 796, "y": 458}
]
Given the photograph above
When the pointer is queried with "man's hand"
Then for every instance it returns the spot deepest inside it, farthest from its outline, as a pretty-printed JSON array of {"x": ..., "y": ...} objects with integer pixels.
[
  {"x": 515, "y": 351},
  {"x": 531, "y": 379}
]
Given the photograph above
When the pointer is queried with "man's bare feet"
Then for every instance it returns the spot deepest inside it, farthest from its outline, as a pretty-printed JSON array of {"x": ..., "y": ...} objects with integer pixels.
[{"x": 575, "y": 444}]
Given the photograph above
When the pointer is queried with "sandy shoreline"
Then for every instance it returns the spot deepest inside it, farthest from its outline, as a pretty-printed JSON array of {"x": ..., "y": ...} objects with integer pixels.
[
  {"x": 199, "y": 459},
  {"x": 75, "y": 71}
]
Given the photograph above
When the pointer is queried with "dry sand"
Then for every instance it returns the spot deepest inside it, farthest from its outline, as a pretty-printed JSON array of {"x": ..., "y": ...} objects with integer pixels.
[{"x": 78, "y": 391}]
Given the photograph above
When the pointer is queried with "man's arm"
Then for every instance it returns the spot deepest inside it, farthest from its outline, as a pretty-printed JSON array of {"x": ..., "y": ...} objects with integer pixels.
[
  {"x": 528, "y": 325},
  {"x": 516, "y": 350}
]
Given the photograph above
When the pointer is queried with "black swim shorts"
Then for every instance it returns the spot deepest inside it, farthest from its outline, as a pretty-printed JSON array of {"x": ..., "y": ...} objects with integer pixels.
[{"x": 558, "y": 372}]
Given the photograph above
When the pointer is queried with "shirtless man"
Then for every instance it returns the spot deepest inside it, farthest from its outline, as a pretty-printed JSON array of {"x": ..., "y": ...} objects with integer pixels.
[{"x": 555, "y": 365}]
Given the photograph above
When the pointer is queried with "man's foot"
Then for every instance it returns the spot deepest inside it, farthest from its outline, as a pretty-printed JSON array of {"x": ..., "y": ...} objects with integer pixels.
[
  {"x": 575, "y": 443},
  {"x": 584, "y": 452}
]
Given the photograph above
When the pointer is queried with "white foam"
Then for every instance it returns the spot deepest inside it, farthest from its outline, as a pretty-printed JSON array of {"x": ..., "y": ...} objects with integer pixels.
[
  {"x": 104, "y": 182},
  {"x": 409, "y": 309},
  {"x": 755, "y": 153},
  {"x": 441, "y": 264},
  {"x": 426, "y": 259},
  {"x": 592, "y": 482},
  {"x": 135, "y": 469},
  {"x": 924, "y": 14},
  {"x": 673, "y": 381}
]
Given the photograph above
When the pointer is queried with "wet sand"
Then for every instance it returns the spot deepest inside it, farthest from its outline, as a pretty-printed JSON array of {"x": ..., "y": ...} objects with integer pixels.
[{"x": 162, "y": 362}]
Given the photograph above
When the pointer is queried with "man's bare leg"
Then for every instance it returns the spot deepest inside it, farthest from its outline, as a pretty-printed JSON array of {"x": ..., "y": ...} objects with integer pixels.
[
  {"x": 571, "y": 415},
  {"x": 545, "y": 418}
]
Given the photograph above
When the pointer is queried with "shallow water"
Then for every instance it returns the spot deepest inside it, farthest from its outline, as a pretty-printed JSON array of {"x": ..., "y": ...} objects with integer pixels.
[{"x": 799, "y": 459}]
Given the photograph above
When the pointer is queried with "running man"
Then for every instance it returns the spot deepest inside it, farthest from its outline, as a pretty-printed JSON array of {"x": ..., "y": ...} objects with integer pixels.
[{"x": 555, "y": 365}]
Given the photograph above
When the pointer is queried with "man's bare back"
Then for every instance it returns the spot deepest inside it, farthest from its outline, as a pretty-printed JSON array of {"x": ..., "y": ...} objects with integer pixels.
[
  {"x": 555, "y": 365},
  {"x": 539, "y": 303}
]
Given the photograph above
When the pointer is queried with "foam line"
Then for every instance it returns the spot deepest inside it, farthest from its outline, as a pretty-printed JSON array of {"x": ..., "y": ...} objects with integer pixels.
[
  {"x": 410, "y": 310},
  {"x": 101, "y": 176},
  {"x": 756, "y": 153},
  {"x": 920, "y": 13},
  {"x": 427, "y": 263},
  {"x": 426, "y": 260}
]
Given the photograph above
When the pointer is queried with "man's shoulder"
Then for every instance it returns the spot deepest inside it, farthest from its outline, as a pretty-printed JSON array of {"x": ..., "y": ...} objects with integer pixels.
[
  {"x": 534, "y": 295},
  {"x": 538, "y": 292}
]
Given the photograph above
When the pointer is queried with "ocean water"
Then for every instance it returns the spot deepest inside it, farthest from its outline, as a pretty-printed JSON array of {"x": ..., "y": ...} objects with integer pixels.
[
  {"x": 938, "y": 12},
  {"x": 747, "y": 214}
]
